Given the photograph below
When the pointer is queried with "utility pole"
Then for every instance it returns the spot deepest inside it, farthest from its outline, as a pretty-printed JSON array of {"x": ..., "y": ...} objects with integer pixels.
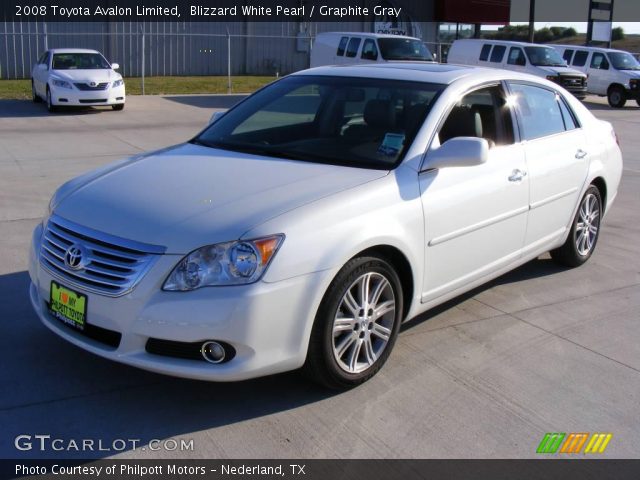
[{"x": 532, "y": 14}]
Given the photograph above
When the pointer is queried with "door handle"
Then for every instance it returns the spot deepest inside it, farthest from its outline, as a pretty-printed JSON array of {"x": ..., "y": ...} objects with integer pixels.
[
  {"x": 580, "y": 154},
  {"x": 517, "y": 175}
]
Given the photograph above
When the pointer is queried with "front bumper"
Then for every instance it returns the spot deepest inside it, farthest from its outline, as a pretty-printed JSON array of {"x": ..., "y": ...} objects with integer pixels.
[
  {"x": 633, "y": 93},
  {"x": 80, "y": 98},
  {"x": 268, "y": 324}
]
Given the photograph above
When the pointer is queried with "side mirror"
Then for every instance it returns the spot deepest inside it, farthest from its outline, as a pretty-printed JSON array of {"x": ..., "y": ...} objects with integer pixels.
[
  {"x": 216, "y": 116},
  {"x": 115, "y": 66},
  {"x": 43, "y": 66},
  {"x": 459, "y": 152}
]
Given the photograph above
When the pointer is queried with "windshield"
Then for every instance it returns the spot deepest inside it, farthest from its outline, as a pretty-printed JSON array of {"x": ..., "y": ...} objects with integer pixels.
[
  {"x": 544, "y": 57},
  {"x": 79, "y": 61},
  {"x": 403, "y": 49},
  {"x": 355, "y": 122},
  {"x": 623, "y": 61}
]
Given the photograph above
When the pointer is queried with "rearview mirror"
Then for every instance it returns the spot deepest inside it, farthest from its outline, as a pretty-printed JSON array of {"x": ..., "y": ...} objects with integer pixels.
[
  {"x": 115, "y": 66},
  {"x": 459, "y": 152},
  {"x": 216, "y": 116}
]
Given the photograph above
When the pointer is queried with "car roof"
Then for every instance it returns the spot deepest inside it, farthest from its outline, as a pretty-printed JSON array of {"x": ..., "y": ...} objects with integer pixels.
[
  {"x": 502, "y": 42},
  {"x": 72, "y": 50},
  {"x": 593, "y": 49},
  {"x": 368, "y": 35},
  {"x": 440, "y": 73}
]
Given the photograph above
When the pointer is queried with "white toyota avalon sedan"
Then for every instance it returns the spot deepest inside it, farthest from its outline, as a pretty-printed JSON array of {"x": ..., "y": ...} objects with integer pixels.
[
  {"x": 302, "y": 227},
  {"x": 76, "y": 78}
]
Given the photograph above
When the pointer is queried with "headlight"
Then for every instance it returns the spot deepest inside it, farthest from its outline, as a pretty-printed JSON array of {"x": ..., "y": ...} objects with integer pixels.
[
  {"x": 231, "y": 263},
  {"x": 61, "y": 84},
  {"x": 118, "y": 83},
  {"x": 553, "y": 78}
]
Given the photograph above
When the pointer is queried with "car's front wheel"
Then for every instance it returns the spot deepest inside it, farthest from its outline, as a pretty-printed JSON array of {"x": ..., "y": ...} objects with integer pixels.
[
  {"x": 616, "y": 97},
  {"x": 356, "y": 325},
  {"x": 50, "y": 106},
  {"x": 585, "y": 230},
  {"x": 34, "y": 95}
]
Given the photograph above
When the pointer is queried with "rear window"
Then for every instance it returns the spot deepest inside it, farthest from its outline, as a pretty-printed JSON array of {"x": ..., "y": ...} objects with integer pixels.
[
  {"x": 342, "y": 46},
  {"x": 580, "y": 59},
  {"x": 484, "y": 54},
  {"x": 498, "y": 53},
  {"x": 352, "y": 49}
]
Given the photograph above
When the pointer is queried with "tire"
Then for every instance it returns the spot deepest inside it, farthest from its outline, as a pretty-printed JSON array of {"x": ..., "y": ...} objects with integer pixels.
[
  {"x": 616, "y": 97},
  {"x": 34, "y": 95},
  {"x": 119, "y": 106},
  {"x": 638, "y": 102},
  {"x": 584, "y": 233},
  {"x": 50, "y": 106},
  {"x": 349, "y": 344}
]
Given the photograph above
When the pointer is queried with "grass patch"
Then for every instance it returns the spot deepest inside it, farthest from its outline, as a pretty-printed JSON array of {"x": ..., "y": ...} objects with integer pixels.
[{"x": 21, "y": 89}]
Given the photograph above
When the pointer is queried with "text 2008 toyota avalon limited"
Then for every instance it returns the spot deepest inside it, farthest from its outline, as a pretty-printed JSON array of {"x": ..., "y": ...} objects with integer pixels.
[{"x": 302, "y": 227}]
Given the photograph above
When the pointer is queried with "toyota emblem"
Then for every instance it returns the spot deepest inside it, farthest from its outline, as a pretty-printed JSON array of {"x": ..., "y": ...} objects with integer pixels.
[
  {"x": 93, "y": 84},
  {"x": 75, "y": 257}
]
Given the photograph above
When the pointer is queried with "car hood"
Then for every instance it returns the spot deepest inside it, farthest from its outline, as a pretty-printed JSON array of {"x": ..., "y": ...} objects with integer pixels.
[
  {"x": 188, "y": 196},
  {"x": 632, "y": 73},
  {"x": 562, "y": 71},
  {"x": 85, "y": 76}
]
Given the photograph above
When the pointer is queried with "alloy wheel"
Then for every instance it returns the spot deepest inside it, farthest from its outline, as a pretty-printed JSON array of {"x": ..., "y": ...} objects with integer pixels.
[
  {"x": 363, "y": 323},
  {"x": 586, "y": 231}
]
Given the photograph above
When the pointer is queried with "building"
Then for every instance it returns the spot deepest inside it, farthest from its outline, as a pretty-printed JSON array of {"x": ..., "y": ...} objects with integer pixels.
[{"x": 241, "y": 48}]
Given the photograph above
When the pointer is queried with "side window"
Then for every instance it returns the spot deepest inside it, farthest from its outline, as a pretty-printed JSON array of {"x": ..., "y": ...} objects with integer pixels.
[
  {"x": 516, "y": 57},
  {"x": 352, "y": 48},
  {"x": 484, "y": 54},
  {"x": 568, "y": 55},
  {"x": 580, "y": 58},
  {"x": 342, "y": 46},
  {"x": 599, "y": 61},
  {"x": 498, "y": 53},
  {"x": 480, "y": 114},
  {"x": 539, "y": 111},
  {"x": 369, "y": 50},
  {"x": 568, "y": 116}
]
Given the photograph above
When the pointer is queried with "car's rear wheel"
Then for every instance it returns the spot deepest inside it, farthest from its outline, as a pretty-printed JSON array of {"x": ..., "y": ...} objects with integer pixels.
[
  {"x": 356, "y": 325},
  {"x": 585, "y": 230},
  {"x": 119, "y": 106},
  {"x": 34, "y": 95},
  {"x": 616, "y": 97},
  {"x": 50, "y": 106}
]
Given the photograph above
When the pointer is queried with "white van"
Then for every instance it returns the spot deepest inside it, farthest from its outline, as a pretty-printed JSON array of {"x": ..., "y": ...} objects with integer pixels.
[
  {"x": 338, "y": 48},
  {"x": 539, "y": 60},
  {"x": 612, "y": 73}
]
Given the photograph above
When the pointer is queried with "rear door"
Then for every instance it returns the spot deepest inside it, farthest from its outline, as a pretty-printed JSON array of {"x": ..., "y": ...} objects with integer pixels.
[{"x": 557, "y": 160}]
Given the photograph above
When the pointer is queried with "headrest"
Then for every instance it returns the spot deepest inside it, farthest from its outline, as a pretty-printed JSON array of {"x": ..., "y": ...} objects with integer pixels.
[{"x": 462, "y": 122}]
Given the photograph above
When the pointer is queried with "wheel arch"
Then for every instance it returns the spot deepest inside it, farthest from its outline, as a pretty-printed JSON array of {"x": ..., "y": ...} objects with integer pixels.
[
  {"x": 401, "y": 265},
  {"x": 601, "y": 185}
]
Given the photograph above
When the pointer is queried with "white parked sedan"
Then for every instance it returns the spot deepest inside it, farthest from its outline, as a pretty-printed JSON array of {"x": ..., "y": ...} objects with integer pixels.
[
  {"x": 76, "y": 77},
  {"x": 302, "y": 227}
]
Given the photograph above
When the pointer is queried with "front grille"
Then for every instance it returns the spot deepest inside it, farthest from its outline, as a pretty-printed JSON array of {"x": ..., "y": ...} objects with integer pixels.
[
  {"x": 88, "y": 88},
  {"x": 106, "y": 264},
  {"x": 97, "y": 100},
  {"x": 570, "y": 81},
  {"x": 186, "y": 350}
]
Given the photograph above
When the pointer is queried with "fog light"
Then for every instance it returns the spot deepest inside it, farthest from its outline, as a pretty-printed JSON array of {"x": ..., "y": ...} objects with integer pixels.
[{"x": 212, "y": 352}]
